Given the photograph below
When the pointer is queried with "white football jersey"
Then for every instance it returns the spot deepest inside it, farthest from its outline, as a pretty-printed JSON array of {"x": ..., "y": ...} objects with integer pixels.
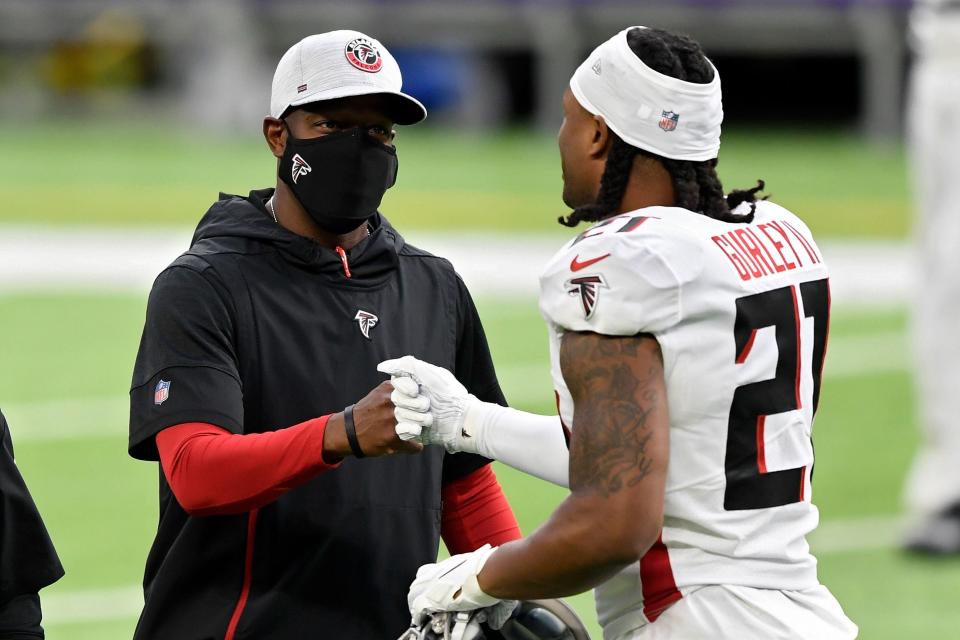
[{"x": 741, "y": 314}]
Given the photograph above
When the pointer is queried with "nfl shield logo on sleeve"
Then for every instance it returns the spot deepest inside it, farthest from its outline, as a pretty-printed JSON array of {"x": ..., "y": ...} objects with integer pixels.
[{"x": 162, "y": 392}]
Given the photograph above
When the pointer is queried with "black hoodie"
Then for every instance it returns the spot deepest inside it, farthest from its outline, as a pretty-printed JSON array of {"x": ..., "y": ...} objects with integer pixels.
[
  {"x": 256, "y": 328},
  {"x": 28, "y": 561}
]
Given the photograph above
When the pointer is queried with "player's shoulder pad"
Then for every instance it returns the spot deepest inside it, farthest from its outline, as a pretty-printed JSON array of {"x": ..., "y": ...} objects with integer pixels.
[
  {"x": 624, "y": 275},
  {"x": 771, "y": 213},
  {"x": 769, "y": 210}
]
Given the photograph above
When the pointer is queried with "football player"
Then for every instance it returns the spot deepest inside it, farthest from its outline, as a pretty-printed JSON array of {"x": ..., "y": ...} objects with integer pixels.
[
  {"x": 687, "y": 336},
  {"x": 933, "y": 486},
  {"x": 28, "y": 561}
]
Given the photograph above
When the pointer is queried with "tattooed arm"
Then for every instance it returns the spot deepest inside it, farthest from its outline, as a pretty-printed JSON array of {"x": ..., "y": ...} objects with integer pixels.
[{"x": 618, "y": 465}]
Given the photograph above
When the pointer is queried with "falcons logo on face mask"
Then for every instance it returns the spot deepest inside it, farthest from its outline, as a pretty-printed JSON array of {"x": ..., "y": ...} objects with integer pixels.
[
  {"x": 367, "y": 321},
  {"x": 588, "y": 288},
  {"x": 300, "y": 167}
]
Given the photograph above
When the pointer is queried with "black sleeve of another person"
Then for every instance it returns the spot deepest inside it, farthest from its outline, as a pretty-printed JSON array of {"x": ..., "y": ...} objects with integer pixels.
[
  {"x": 186, "y": 369},
  {"x": 28, "y": 561},
  {"x": 475, "y": 370}
]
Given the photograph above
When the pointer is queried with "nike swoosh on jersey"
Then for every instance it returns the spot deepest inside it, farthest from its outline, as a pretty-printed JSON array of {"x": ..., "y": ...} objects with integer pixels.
[{"x": 575, "y": 265}]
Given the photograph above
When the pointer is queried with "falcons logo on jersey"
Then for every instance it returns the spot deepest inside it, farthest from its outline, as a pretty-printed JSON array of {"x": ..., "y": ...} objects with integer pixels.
[
  {"x": 367, "y": 321},
  {"x": 300, "y": 167},
  {"x": 588, "y": 288}
]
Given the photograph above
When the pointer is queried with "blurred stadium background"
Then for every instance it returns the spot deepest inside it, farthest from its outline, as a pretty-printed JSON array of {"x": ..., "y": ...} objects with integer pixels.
[{"x": 120, "y": 122}]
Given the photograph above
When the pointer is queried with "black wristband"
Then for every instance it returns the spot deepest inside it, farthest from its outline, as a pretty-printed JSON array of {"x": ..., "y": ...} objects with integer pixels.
[{"x": 351, "y": 428}]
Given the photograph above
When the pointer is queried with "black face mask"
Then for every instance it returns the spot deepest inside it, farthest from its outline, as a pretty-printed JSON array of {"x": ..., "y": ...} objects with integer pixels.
[{"x": 339, "y": 178}]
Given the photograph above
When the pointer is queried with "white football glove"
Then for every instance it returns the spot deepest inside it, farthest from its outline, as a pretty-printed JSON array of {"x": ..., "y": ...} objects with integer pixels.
[
  {"x": 411, "y": 409},
  {"x": 447, "y": 402},
  {"x": 439, "y": 410},
  {"x": 451, "y": 585}
]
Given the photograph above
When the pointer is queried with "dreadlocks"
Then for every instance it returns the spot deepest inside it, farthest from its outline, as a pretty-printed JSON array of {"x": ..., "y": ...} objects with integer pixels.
[{"x": 696, "y": 185}]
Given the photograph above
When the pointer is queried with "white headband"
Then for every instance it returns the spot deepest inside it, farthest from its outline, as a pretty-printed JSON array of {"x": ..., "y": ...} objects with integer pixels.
[{"x": 663, "y": 115}]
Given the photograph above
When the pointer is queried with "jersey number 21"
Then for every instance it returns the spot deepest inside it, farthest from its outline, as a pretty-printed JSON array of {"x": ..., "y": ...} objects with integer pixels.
[{"x": 749, "y": 484}]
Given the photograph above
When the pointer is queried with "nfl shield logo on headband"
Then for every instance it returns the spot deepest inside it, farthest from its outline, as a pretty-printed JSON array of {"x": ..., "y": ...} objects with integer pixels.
[{"x": 668, "y": 120}]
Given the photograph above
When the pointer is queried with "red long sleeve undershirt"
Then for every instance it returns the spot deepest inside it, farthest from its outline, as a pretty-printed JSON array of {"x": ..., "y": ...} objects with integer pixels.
[
  {"x": 475, "y": 513},
  {"x": 214, "y": 472}
]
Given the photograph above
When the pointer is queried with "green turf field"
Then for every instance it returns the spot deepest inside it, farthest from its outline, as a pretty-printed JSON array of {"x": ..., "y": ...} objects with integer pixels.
[
  {"x": 67, "y": 358},
  {"x": 80, "y": 174},
  {"x": 67, "y": 361}
]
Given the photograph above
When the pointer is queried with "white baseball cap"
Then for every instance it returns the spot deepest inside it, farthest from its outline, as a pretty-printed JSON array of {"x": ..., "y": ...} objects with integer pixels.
[{"x": 341, "y": 64}]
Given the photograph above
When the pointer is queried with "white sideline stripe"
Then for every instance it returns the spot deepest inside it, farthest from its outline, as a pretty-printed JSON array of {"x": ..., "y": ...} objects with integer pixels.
[
  {"x": 68, "y": 419},
  {"x": 866, "y": 533},
  {"x": 90, "y": 605},
  {"x": 124, "y": 603},
  {"x": 110, "y": 259},
  {"x": 856, "y": 355},
  {"x": 527, "y": 383}
]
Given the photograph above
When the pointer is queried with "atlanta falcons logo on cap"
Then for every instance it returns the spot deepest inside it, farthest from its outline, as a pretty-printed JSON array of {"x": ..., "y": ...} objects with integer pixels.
[
  {"x": 300, "y": 167},
  {"x": 588, "y": 288},
  {"x": 363, "y": 55},
  {"x": 367, "y": 321}
]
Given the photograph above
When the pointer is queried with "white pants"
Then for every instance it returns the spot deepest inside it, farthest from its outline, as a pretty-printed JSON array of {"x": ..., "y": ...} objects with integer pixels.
[
  {"x": 722, "y": 612},
  {"x": 934, "y": 133}
]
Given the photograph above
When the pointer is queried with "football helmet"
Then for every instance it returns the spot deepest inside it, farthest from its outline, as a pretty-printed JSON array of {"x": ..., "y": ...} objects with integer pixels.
[{"x": 531, "y": 620}]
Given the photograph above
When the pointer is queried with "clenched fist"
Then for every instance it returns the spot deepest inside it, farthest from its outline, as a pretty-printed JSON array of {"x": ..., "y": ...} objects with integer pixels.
[{"x": 375, "y": 424}]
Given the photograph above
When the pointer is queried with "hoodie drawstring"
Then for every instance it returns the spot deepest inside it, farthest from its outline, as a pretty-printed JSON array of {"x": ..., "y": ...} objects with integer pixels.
[{"x": 343, "y": 260}]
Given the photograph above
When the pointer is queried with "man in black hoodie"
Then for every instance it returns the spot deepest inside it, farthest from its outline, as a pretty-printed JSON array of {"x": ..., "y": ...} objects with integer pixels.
[
  {"x": 28, "y": 561},
  {"x": 271, "y": 524}
]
